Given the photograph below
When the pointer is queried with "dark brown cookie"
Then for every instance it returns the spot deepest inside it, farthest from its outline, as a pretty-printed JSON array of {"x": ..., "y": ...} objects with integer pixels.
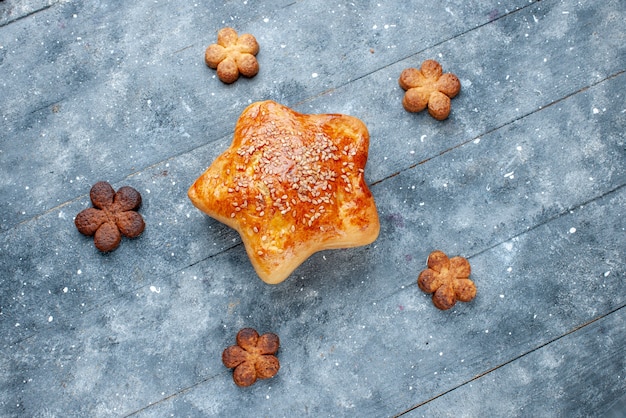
[{"x": 113, "y": 215}]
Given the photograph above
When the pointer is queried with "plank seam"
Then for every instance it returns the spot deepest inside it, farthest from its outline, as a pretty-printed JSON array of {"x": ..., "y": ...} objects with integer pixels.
[
  {"x": 496, "y": 128},
  {"x": 372, "y": 184},
  {"x": 546, "y": 221},
  {"x": 27, "y": 15},
  {"x": 435, "y": 45},
  {"x": 173, "y": 395},
  {"x": 524, "y": 354}
]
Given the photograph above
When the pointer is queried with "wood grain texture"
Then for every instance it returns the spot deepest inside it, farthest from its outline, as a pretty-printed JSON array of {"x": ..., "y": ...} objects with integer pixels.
[
  {"x": 525, "y": 179},
  {"x": 583, "y": 370}
]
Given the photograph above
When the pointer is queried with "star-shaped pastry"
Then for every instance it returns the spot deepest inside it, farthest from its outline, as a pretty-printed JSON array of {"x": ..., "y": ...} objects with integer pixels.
[{"x": 291, "y": 184}]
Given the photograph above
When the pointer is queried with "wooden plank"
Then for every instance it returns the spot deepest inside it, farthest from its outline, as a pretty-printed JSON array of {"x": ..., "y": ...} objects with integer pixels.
[
  {"x": 509, "y": 69},
  {"x": 345, "y": 351},
  {"x": 107, "y": 95},
  {"x": 14, "y": 10},
  {"x": 579, "y": 374},
  {"x": 529, "y": 186},
  {"x": 93, "y": 96},
  {"x": 541, "y": 188},
  {"x": 331, "y": 319}
]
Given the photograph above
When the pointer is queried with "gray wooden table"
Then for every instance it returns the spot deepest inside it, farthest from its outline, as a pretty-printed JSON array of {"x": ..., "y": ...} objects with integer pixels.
[{"x": 525, "y": 179}]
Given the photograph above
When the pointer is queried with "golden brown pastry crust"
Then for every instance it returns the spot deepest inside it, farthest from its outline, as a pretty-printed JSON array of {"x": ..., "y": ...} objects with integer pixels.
[
  {"x": 428, "y": 87},
  {"x": 233, "y": 55},
  {"x": 291, "y": 184}
]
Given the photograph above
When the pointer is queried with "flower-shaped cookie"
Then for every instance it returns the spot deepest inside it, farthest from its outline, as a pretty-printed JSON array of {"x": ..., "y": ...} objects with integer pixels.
[
  {"x": 253, "y": 357},
  {"x": 448, "y": 280},
  {"x": 233, "y": 55},
  {"x": 112, "y": 216},
  {"x": 429, "y": 87}
]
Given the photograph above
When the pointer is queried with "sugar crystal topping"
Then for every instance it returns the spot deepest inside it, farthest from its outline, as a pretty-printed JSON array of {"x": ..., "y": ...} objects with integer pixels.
[{"x": 291, "y": 169}]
